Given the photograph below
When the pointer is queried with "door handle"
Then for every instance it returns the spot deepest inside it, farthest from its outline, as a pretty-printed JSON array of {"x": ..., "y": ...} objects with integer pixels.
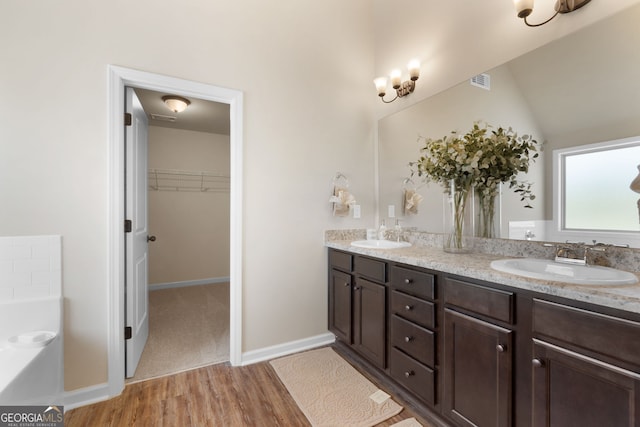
[{"x": 151, "y": 238}]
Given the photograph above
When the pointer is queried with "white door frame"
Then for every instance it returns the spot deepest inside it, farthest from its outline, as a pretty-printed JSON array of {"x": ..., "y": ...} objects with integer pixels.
[{"x": 120, "y": 77}]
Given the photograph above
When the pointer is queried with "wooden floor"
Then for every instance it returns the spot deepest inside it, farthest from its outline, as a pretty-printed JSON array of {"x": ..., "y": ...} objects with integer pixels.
[{"x": 216, "y": 395}]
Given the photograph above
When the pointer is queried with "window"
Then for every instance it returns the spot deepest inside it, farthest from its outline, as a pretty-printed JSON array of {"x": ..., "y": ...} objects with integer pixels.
[{"x": 593, "y": 199}]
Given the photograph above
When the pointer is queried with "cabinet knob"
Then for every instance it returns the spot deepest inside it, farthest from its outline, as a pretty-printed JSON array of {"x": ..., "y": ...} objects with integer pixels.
[
  {"x": 537, "y": 363},
  {"x": 356, "y": 288},
  {"x": 409, "y": 374},
  {"x": 346, "y": 284},
  {"x": 501, "y": 348},
  {"x": 408, "y": 307},
  {"x": 408, "y": 281},
  {"x": 408, "y": 339}
]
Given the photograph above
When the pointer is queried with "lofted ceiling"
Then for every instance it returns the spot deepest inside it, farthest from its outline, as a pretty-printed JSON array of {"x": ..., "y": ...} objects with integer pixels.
[
  {"x": 457, "y": 39},
  {"x": 453, "y": 39},
  {"x": 201, "y": 115}
]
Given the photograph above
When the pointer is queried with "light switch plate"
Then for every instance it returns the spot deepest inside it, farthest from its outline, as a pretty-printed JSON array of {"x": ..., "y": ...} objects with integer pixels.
[
  {"x": 356, "y": 211},
  {"x": 392, "y": 211}
]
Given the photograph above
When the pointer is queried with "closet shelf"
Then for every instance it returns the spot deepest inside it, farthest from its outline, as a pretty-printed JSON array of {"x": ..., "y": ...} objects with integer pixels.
[{"x": 181, "y": 180}]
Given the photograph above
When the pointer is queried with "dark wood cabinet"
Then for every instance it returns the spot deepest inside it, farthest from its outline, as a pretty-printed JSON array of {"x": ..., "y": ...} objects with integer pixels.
[
  {"x": 570, "y": 389},
  {"x": 369, "y": 319},
  {"x": 478, "y": 362},
  {"x": 412, "y": 338},
  {"x": 473, "y": 353},
  {"x": 586, "y": 368},
  {"x": 340, "y": 293},
  {"x": 358, "y": 304}
]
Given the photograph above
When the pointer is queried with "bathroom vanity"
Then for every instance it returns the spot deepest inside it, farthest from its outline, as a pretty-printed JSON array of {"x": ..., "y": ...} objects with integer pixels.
[{"x": 470, "y": 346}]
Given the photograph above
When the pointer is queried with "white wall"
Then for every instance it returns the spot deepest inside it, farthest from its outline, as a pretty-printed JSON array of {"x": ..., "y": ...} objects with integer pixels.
[
  {"x": 191, "y": 227},
  {"x": 306, "y": 115},
  {"x": 305, "y": 68}
]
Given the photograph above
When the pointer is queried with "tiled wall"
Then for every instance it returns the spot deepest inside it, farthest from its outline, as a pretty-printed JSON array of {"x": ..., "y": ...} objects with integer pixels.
[{"x": 30, "y": 267}]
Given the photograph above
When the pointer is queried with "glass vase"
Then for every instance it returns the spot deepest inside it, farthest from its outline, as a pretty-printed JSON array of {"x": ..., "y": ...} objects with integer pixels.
[
  {"x": 456, "y": 219},
  {"x": 487, "y": 221}
]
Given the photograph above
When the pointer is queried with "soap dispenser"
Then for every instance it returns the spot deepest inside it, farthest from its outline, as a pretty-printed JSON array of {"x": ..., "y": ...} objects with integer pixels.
[{"x": 382, "y": 230}]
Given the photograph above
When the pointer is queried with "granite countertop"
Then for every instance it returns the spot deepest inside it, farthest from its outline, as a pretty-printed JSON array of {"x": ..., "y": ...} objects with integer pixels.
[{"x": 477, "y": 266}]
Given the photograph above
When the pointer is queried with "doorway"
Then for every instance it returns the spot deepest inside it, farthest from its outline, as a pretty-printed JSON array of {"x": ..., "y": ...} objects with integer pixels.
[
  {"x": 120, "y": 77},
  {"x": 187, "y": 195}
]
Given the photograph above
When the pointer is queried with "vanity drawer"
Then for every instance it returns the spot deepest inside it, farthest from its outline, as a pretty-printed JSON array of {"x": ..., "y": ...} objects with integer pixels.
[
  {"x": 340, "y": 260},
  {"x": 414, "y": 309},
  {"x": 370, "y": 268},
  {"x": 607, "y": 335},
  {"x": 414, "y": 340},
  {"x": 413, "y": 282},
  {"x": 414, "y": 376},
  {"x": 492, "y": 303}
]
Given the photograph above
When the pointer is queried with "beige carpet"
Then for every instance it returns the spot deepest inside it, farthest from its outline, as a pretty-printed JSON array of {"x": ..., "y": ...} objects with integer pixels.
[
  {"x": 330, "y": 392},
  {"x": 188, "y": 328}
]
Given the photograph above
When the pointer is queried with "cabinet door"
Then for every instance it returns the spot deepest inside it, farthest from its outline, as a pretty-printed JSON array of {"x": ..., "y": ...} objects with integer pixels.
[
  {"x": 340, "y": 305},
  {"x": 570, "y": 389},
  {"x": 369, "y": 321},
  {"x": 477, "y": 371}
]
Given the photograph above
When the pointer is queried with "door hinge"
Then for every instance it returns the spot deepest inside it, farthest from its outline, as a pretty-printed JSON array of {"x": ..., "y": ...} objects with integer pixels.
[
  {"x": 128, "y": 332},
  {"x": 127, "y": 226},
  {"x": 127, "y": 119}
]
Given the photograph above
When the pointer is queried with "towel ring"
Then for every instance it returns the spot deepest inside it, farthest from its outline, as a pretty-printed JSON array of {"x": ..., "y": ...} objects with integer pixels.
[
  {"x": 341, "y": 180},
  {"x": 408, "y": 184}
]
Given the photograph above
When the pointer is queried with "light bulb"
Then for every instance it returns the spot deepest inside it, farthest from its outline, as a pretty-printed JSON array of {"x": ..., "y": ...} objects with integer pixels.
[
  {"x": 381, "y": 85},
  {"x": 414, "y": 69}
]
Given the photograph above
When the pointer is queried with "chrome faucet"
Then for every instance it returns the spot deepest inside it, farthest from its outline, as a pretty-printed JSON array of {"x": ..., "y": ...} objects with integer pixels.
[{"x": 571, "y": 254}]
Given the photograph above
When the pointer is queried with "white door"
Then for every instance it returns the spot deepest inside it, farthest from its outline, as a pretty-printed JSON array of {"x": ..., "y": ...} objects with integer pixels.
[{"x": 137, "y": 256}]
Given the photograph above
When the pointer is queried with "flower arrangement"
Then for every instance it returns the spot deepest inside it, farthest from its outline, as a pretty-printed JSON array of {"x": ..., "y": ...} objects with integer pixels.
[{"x": 480, "y": 159}]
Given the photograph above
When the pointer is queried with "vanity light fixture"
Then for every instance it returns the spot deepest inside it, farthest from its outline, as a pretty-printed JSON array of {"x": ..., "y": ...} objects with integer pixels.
[
  {"x": 525, "y": 7},
  {"x": 402, "y": 88},
  {"x": 177, "y": 104}
]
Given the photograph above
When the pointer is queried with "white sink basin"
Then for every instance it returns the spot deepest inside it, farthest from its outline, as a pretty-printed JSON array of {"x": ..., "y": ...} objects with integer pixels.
[
  {"x": 380, "y": 244},
  {"x": 551, "y": 270}
]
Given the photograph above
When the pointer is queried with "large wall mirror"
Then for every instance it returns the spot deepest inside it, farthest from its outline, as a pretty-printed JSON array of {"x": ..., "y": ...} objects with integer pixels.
[{"x": 578, "y": 90}]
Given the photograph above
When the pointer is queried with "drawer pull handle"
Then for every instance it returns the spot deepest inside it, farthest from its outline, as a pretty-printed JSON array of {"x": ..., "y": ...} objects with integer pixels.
[
  {"x": 409, "y": 374},
  {"x": 501, "y": 348},
  {"x": 408, "y": 281},
  {"x": 537, "y": 363},
  {"x": 408, "y": 307},
  {"x": 408, "y": 339}
]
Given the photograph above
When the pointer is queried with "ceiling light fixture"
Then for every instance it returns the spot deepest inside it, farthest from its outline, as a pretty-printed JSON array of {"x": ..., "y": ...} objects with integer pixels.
[
  {"x": 402, "y": 88},
  {"x": 177, "y": 104},
  {"x": 525, "y": 7}
]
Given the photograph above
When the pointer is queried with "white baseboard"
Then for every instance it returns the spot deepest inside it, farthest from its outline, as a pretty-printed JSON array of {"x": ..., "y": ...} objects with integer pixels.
[
  {"x": 86, "y": 396},
  {"x": 267, "y": 353},
  {"x": 169, "y": 285},
  {"x": 99, "y": 392}
]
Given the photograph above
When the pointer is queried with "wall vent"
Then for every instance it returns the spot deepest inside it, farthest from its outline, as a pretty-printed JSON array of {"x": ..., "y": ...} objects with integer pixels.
[
  {"x": 163, "y": 118},
  {"x": 481, "y": 80}
]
